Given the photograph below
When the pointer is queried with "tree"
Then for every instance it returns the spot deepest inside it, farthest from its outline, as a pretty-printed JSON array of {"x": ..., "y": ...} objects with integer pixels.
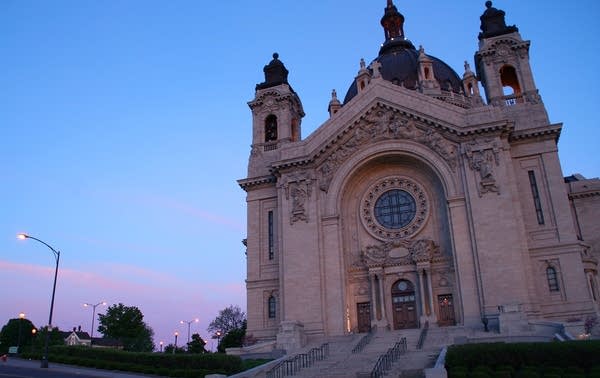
[
  {"x": 169, "y": 349},
  {"x": 229, "y": 318},
  {"x": 127, "y": 325},
  {"x": 16, "y": 332},
  {"x": 197, "y": 345},
  {"x": 233, "y": 339}
]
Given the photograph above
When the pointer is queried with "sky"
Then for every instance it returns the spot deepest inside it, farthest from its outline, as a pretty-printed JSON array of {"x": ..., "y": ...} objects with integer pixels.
[{"x": 124, "y": 126}]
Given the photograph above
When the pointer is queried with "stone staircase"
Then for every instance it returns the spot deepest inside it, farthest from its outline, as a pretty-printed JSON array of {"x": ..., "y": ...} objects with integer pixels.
[{"x": 341, "y": 362}]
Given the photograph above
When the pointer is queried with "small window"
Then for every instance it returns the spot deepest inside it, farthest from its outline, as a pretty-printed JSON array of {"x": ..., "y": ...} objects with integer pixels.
[
  {"x": 272, "y": 307},
  {"x": 271, "y": 235},
  {"x": 536, "y": 198},
  {"x": 552, "y": 279},
  {"x": 271, "y": 128}
]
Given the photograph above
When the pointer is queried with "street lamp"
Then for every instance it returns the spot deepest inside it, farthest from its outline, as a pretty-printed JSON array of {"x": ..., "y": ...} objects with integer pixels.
[
  {"x": 21, "y": 316},
  {"x": 218, "y": 334},
  {"x": 44, "y": 363},
  {"x": 161, "y": 346},
  {"x": 175, "y": 347},
  {"x": 189, "y": 323},
  {"x": 93, "y": 317},
  {"x": 33, "y": 332}
]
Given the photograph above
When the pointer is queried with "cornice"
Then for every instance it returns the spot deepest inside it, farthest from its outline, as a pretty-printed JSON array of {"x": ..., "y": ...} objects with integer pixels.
[
  {"x": 544, "y": 132},
  {"x": 253, "y": 182},
  {"x": 586, "y": 194}
]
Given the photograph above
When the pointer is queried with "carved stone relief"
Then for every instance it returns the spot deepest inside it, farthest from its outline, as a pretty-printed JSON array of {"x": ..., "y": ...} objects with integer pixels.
[
  {"x": 482, "y": 156},
  {"x": 401, "y": 252},
  {"x": 298, "y": 189},
  {"x": 382, "y": 124}
]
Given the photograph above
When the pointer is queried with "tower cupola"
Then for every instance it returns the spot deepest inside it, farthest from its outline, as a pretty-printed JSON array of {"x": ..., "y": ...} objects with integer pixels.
[
  {"x": 493, "y": 23},
  {"x": 275, "y": 74}
]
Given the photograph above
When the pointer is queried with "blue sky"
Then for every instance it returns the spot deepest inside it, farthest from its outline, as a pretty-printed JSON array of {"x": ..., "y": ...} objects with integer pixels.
[{"x": 124, "y": 126}]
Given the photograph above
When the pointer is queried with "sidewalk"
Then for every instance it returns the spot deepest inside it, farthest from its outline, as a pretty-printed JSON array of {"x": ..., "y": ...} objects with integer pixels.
[{"x": 18, "y": 362}]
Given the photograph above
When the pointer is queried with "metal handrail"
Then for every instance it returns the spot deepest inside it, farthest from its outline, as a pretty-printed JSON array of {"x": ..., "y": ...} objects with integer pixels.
[
  {"x": 363, "y": 342},
  {"x": 293, "y": 365},
  {"x": 385, "y": 361},
  {"x": 423, "y": 335}
]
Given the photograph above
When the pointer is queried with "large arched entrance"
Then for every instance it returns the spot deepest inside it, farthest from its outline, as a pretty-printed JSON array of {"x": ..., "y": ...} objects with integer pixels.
[{"x": 404, "y": 305}]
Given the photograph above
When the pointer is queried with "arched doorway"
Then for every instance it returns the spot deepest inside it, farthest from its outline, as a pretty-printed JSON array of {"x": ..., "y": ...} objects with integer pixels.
[{"x": 404, "y": 305}]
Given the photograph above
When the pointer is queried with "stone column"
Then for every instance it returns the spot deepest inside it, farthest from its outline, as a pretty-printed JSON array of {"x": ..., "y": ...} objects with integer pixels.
[
  {"x": 374, "y": 307},
  {"x": 431, "y": 301},
  {"x": 382, "y": 298},
  {"x": 422, "y": 292}
]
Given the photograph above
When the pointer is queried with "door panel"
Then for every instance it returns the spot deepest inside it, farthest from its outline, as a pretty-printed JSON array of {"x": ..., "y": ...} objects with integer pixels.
[
  {"x": 363, "y": 311},
  {"x": 446, "y": 309}
]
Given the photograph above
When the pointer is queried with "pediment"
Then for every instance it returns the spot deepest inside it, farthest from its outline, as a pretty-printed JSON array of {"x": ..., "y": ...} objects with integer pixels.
[{"x": 383, "y": 122}]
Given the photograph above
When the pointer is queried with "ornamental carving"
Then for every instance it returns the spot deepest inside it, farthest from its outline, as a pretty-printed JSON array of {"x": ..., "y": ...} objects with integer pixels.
[
  {"x": 298, "y": 188},
  {"x": 400, "y": 220},
  {"x": 483, "y": 156},
  {"x": 401, "y": 252},
  {"x": 383, "y": 124}
]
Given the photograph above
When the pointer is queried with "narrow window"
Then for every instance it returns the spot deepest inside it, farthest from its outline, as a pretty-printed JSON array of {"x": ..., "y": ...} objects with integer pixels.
[
  {"x": 536, "y": 197},
  {"x": 272, "y": 307},
  {"x": 552, "y": 279},
  {"x": 271, "y": 128},
  {"x": 271, "y": 236}
]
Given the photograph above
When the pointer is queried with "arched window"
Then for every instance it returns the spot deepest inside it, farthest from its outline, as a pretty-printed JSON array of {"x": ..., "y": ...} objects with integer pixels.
[
  {"x": 552, "y": 279},
  {"x": 271, "y": 128},
  {"x": 510, "y": 81},
  {"x": 272, "y": 307}
]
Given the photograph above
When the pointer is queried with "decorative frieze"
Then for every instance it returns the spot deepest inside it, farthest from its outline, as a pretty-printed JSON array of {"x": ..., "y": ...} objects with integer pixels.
[{"x": 401, "y": 252}]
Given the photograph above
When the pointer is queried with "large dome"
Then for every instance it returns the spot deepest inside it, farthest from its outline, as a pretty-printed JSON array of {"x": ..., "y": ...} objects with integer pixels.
[{"x": 399, "y": 60}]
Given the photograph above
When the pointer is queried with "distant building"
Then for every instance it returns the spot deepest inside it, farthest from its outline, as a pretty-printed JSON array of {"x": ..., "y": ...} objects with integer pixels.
[
  {"x": 76, "y": 337},
  {"x": 417, "y": 201}
]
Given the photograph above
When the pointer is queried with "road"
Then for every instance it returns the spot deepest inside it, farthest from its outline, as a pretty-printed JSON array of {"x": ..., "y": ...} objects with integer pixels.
[{"x": 17, "y": 368}]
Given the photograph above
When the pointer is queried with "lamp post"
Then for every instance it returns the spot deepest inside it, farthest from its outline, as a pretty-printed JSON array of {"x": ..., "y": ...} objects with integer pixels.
[
  {"x": 189, "y": 323},
  {"x": 21, "y": 316},
  {"x": 218, "y": 334},
  {"x": 175, "y": 347},
  {"x": 33, "y": 332},
  {"x": 93, "y": 317},
  {"x": 161, "y": 346},
  {"x": 44, "y": 363}
]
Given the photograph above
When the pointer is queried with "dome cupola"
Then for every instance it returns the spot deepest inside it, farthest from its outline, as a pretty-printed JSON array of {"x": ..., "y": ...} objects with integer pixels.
[{"x": 401, "y": 63}]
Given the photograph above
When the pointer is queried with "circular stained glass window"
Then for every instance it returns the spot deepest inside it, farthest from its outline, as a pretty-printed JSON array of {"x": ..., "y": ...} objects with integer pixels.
[{"x": 395, "y": 209}]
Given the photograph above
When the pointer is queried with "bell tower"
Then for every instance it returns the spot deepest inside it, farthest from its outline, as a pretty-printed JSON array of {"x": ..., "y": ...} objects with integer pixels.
[
  {"x": 276, "y": 116},
  {"x": 503, "y": 62}
]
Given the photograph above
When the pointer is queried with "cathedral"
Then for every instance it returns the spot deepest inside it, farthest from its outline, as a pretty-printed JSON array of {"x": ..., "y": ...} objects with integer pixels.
[{"x": 426, "y": 199}]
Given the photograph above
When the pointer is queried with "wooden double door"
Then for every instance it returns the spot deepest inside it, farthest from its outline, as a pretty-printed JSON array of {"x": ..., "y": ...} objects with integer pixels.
[
  {"x": 404, "y": 305},
  {"x": 363, "y": 311},
  {"x": 446, "y": 310}
]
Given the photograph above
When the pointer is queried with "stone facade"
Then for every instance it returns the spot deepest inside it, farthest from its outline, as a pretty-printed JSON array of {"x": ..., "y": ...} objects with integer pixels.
[{"x": 416, "y": 201}]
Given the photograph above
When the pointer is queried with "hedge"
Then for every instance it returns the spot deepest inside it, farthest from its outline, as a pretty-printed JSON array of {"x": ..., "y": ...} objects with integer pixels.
[
  {"x": 574, "y": 359},
  {"x": 173, "y": 365}
]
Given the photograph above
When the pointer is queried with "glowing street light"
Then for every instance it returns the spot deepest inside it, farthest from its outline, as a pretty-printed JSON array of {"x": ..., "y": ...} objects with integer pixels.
[
  {"x": 44, "y": 363},
  {"x": 93, "y": 317},
  {"x": 189, "y": 323},
  {"x": 161, "y": 346}
]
